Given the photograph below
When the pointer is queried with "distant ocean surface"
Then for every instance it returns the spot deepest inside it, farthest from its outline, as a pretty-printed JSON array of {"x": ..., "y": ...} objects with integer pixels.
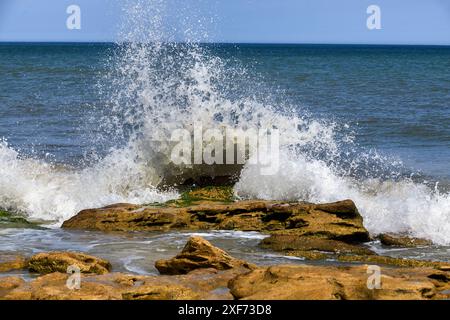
[
  {"x": 395, "y": 98},
  {"x": 375, "y": 128}
]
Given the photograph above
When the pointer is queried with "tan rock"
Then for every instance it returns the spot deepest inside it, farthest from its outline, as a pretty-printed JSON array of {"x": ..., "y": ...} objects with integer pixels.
[
  {"x": 390, "y": 239},
  {"x": 200, "y": 284},
  {"x": 7, "y": 284},
  {"x": 304, "y": 246},
  {"x": 335, "y": 221},
  {"x": 288, "y": 282},
  {"x": 161, "y": 292},
  {"x": 53, "y": 286},
  {"x": 48, "y": 262},
  {"x": 199, "y": 254},
  {"x": 397, "y": 262},
  {"x": 11, "y": 261}
]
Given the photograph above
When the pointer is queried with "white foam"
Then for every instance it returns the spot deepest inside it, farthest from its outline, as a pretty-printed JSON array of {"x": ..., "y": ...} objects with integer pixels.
[
  {"x": 44, "y": 192},
  {"x": 386, "y": 205},
  {"x": 194, "y": 86}
]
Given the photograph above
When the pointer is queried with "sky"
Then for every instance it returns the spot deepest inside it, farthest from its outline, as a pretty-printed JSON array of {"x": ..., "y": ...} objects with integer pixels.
[{"x": 251, "y": 21}]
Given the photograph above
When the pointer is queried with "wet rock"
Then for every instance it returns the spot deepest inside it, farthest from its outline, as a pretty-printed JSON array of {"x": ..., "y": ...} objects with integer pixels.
[
  {"x": 398, "y": 240},
  {"x": 196, "y": 210},
  {"x": 224, "y": 194},
  {"x": 199, "y": 254},
  {"x": 11, "y": 261},
  {"x": 7, "y": 284},
  {"x": 54, "y": 286},
  {"x": 127, "y": 217},
  {"x": 161, "y": 292},
  {"x": 397, "y": 262},
  {"x": 312, "y": 248},
  {"x": 199, "y": 284},
  {"x": 288, "y": 282},
  {"x": 12, "y": 220},
  {"x": 334, "y": 221},
  {"x": 48, "y": 262}
]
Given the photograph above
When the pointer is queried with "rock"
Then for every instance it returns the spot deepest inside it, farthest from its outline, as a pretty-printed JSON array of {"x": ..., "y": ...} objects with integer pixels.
[
  {"x": 288, "y": 282},
  {"x": 333, "y": 228},
  {"x": 7, "y": 284},
  {"x": 389, "y": 239},
  {"x": 161, "y": 292},
  {"x": 223, "y": 194},
  {"x": 48, "y": 262},
  {"x": 11, "y": 261},
  {"x": 397, "y": 262},
  {"x": 311, "y": 248},
  {"x": 11, "y": 220},
  {"x": 335, "y": 221},
  {"x": 275, "y": 282},
  {"x": 128, "y": 217},
  {"x": 199, "y": 284},
  {"x": 53, "y": 286},
  {"x": 199, "y": 254},
  {"x": 338, "y": 221}
]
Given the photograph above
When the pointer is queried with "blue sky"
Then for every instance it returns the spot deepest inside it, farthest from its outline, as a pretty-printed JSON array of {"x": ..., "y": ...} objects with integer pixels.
[{"x": 285, "y": 21}]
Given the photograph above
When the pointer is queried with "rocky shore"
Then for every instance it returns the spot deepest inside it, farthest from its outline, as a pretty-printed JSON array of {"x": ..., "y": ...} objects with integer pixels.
[{"x": 315, "y": 232}]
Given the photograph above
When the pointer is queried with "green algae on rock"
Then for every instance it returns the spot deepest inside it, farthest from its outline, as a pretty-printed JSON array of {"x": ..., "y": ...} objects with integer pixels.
[
  {"x": 48, "y": 262},
  {"x": 399, "y": 240}
]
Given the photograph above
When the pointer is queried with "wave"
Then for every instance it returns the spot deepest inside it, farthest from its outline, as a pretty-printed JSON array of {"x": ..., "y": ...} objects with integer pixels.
[
  {"x": 44, "y": 192},
  {"x": 156, "y": 85},
  {"x": 402, "y": 206}
]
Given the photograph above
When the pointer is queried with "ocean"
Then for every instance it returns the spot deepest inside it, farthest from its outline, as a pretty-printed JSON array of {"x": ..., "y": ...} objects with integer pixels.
[{"x": 81, "y": 127}]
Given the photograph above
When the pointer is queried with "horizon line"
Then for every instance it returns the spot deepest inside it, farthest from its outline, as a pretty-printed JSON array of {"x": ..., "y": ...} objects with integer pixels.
[{"x": 226, "y": 42}]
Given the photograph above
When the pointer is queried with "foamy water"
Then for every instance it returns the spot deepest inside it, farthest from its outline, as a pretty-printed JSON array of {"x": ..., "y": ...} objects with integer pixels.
[{"x": 156, "y": 87}]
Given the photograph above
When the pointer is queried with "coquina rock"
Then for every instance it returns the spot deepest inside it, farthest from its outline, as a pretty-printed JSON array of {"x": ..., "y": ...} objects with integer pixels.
[
  {"x": 296, "y": 228},
  {"x": 338, "y": 221},
  {"x": 398, "y": 240},
  {"x": 11, "y": 261},
  {"x": 289, "y": 282},
  {"x": 239, "y": 282},
  {"x": 198, "y": 254},
  {"x": 10, "y": 283},
  {"x": 48, "y": 262},
  {"x": 199, "y": 284}
]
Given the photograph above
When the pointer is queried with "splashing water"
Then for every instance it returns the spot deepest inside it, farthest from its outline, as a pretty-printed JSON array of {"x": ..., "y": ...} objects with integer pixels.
[{"x": 157, "y": 84}]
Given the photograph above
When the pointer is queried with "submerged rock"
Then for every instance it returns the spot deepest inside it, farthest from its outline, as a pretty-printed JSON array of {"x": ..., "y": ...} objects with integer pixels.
[
  {"x": 396, "y": 262},
  {"x": 48, "y": 262},
  {"x": 312, "y": 248},
  {"x": 199, "y": 254},
  {"x": 11, "y": 261},
  {"x": 398, "y": 240}
]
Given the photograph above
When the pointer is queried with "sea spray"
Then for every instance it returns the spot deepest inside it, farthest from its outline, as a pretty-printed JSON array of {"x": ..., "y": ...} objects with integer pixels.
[{"x": 157, "y": 84}]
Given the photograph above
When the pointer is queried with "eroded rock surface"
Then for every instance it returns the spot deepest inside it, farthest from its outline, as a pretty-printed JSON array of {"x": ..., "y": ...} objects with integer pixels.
[
  {"x": 288, "y": 282},
  {"x": 398, "y": 240},
  {"x": 11, "y": 261},
  {"x": 211, "y": 273},
  {"x": 48, "y": 262},
  {"x": 198, "y": 253},
  {"x": 201, "y": 284}
]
